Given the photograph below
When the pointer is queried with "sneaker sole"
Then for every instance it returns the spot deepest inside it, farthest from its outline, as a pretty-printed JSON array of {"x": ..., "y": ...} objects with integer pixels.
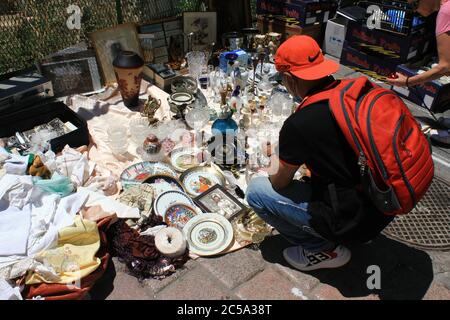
[{"x": 331, "y": 264}]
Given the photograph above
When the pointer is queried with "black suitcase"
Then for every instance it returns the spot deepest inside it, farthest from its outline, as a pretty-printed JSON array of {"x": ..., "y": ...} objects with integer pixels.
[{"x": 24, "y": 119}]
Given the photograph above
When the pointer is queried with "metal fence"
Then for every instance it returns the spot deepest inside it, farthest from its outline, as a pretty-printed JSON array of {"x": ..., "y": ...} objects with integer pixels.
[{"x": 32, "y": 29}]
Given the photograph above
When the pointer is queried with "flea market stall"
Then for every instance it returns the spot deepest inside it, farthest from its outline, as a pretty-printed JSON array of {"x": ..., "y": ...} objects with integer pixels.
[{"x": 140, "y": 142}]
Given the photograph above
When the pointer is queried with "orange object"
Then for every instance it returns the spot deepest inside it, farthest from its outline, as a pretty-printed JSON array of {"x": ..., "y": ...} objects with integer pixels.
[{"x": 302, "y": 57}]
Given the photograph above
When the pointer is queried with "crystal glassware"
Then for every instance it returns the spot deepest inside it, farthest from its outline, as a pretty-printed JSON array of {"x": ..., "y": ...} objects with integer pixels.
[
  {"x": 197, "y": 61},
  {"x": 118, "y": 139},
  {"x": 197, "y": 118}
]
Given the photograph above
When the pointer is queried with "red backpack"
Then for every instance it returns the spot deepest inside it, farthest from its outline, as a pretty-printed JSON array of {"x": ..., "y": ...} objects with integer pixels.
[{"x": 394, "y": 155}]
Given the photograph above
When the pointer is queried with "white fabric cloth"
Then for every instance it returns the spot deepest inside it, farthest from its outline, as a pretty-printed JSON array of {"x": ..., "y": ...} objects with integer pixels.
[
  {"x": 49, "y": 214},
  {"x": 16, "y": 164},
  {"x": 16, "y": 190},
  {"x": 8, "y": 292},
  {"x": 152, "y": 231},
  {"x": 75, "y": 166},
  {"x": 14, "y": 229},
  {"x": 109, "y": 205}
]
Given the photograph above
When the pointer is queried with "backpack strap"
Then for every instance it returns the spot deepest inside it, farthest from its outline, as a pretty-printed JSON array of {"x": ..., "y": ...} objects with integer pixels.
[{"x": 320, "y": 96}]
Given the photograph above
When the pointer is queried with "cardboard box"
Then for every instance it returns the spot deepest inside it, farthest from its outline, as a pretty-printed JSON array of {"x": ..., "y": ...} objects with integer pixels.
[
  {"x": 288, "y": 27},
  {"x": 310, "y": 12},
  {"x": 372, "y": 66},
  {"x": 165, "y": 83},
  {"x": 173, "y": 25},
  {"x": 243, "y": 58},
  {"x": 386, "y": 45},
  {"x": 269, "y": 6},
  {"x": 288, "y": 30},
  {"x": 335, "y": 36},
  {"x": 433, "y": 95}
]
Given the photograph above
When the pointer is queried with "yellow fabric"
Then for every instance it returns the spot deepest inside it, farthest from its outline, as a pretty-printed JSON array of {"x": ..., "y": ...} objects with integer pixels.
[{"x": 74, "y": 256}]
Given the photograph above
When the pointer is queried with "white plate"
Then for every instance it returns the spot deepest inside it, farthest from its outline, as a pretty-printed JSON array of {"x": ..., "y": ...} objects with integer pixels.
[
  {"x": 199, "y": 180},
  {"x": 169, "y": 198},
  {"x": 183, "y": 159},
  {"x": 208, "y": 234}
]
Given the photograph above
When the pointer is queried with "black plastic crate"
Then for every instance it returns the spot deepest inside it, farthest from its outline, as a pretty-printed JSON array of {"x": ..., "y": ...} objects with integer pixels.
[
  {"x": 394, "y": 16},
  {"x": 12, "y": 121}
]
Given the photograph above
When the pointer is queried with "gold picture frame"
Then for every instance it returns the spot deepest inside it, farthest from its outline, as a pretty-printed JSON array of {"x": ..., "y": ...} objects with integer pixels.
[{"x": 109, "y": 42}]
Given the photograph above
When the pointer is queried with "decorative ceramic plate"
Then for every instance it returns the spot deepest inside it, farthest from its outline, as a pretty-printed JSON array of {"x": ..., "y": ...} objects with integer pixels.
[
  {"x": 163, "y": 183},
  {"x": 177, "y": 215},
  {"x": 169, "y": 198},
  {"x": 139, "y": 172},
  {"x": 183, "y": 159},
  {"x": 200, "y": 179},
  {"x": 208, "y": 234}
]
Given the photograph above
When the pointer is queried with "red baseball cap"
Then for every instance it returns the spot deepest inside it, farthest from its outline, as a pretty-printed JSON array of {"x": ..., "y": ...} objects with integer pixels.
[{"x": 302, "y": 56}]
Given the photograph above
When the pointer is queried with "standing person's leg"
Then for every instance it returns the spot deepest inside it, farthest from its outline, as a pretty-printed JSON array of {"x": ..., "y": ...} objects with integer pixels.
[{"x": 287, "y": 211}]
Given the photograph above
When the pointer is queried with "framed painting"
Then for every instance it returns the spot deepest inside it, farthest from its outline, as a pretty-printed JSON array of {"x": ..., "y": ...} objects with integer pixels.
[
  {"x": 109, "y": 42},
  {"x": 203, "y": 26}
]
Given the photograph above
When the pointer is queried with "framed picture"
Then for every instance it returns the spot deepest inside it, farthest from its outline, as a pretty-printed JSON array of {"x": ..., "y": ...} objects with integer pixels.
[
  {"x": 109, "y": 42},
  {"x": 73, "y": 76},
  {"x": 218, "y": 200},
  {"x": 204, "y": 27}
]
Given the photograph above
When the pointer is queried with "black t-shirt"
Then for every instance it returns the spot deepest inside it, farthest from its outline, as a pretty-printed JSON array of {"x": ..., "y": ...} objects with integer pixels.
[{"x": 312, "y": 136}]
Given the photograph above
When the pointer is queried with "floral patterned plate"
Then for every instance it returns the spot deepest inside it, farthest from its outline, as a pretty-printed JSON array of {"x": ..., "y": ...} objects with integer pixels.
[{"x": 139, "y": 172}]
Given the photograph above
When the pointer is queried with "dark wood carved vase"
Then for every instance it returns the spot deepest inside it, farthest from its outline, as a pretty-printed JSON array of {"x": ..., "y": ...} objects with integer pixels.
[{"x": 128, "y": 68}]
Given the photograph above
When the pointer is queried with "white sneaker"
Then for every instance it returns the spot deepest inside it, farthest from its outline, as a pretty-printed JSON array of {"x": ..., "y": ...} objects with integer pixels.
[{"x": 307, "y": 261}]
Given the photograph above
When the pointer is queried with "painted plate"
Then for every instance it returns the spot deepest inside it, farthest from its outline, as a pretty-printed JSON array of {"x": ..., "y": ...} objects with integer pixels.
[
  {"x": 208, "y": 234},
  {"x": 200, "y": 179},
  {"x": 169, "y": 198},
  {"x": 183, "y": 159},
  {"x": 163, "y": 183},
  {"x": 177, "y": 215},
  {"x": 139, "y": 172}
]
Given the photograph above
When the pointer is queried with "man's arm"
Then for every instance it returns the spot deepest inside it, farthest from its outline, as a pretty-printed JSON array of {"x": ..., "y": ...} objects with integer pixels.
[{"x": 280, "y": 173}]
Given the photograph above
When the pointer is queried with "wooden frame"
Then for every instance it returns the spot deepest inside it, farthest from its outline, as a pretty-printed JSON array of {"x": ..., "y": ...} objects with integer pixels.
[
  {"x": 108, "y": 42},
  {"x": 227, "y": 205}
]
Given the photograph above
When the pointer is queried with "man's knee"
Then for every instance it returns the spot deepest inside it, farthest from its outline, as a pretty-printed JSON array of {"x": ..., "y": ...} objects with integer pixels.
[{"x": 257, "y": 188}]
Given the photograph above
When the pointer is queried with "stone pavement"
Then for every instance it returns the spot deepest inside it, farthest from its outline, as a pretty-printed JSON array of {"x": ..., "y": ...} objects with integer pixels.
[{"x": 406, "y": 273}]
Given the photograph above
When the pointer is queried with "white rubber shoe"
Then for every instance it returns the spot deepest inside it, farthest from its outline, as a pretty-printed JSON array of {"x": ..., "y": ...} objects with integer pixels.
[{"x": 307, "y": 261}]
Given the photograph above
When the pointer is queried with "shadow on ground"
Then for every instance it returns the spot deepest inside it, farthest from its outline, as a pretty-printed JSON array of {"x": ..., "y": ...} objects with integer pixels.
[
  {"x": 406, "y": 273},
  {"x": 105, "y": 285}
]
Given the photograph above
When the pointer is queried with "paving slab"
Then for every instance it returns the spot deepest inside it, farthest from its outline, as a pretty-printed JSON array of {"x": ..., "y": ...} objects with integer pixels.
[
  {"x": 270, "y": 285},
  {"x": 198, "y": 284},
  {"x": 235, "y": 268}
]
